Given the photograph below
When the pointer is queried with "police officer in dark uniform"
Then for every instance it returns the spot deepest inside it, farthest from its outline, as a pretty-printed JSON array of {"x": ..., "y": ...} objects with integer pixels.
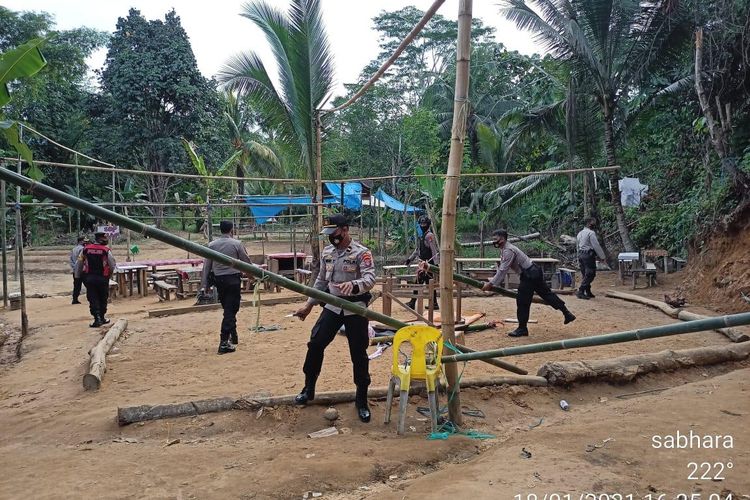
[
  {"x": 228, "y": 282},
  {"x": 428, "y": 251},
  {"x": 532, "y": 280},
  {"x": 347, "y": 271},
  {"x": 96, "y": 264}
]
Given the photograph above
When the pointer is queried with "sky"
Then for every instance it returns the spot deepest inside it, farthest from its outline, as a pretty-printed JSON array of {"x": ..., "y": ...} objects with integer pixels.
[{"x": 217, "y": 31}]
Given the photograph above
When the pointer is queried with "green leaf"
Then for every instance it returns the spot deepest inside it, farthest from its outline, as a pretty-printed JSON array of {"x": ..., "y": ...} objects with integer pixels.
[
  {"x": 10, "y": 132},
  {"x": 198, "y": 162},
  {"x": 23, "y": 61}
]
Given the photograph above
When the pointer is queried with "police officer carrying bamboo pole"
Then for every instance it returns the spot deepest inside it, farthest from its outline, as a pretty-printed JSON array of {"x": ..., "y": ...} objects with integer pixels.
[
  {"x": 96, "y": 264},
  {"x": 347, "y": 270}
]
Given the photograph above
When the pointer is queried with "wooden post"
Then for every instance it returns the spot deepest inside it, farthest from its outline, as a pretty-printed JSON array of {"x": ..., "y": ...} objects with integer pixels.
[
  {"x": 387, "y": 290},
  {"x": 448, "y": 229},
  {"x": 430, "y": 305},
  {"x": 3, "y": 242},
  {"x": 19, "y": 251}
]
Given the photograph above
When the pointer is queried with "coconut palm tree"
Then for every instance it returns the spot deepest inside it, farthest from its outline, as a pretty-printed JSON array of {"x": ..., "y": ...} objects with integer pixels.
[
  {"x": 290, "y": 104},
  {"x": 611, "y": 45}
]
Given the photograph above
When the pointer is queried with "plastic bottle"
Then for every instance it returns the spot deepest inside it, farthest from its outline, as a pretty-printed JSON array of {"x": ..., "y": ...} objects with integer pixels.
[{"x": 564, "y": 405}]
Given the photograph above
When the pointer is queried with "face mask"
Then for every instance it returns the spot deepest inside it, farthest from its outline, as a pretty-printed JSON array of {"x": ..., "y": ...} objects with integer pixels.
[{"x": 335, "y": 239}]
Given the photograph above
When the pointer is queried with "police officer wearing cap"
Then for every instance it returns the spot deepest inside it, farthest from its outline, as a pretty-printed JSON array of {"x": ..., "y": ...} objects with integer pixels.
[
  {"x": 347, "y": 270},
  {"x": 532, "y": 280},
  {"x": 428, "y": 251},
  {"x": 96, "y": 264}
]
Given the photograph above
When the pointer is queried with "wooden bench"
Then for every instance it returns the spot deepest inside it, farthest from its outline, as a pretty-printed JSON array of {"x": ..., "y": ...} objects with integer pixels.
[
  {"x": 165, "y": 290},
  {"x": 649, "y": 271},
  {"x": 302, "y": 276},
  {"x": 113, "y": 287}
]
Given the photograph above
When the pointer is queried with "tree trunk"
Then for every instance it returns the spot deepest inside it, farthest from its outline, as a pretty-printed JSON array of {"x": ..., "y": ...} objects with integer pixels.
[
  {"x": 614, "y": 180},
  {"x": 448, "y": 229},
  {"x": 720, "y": 130},
  {"x": 98, "y": 364}
]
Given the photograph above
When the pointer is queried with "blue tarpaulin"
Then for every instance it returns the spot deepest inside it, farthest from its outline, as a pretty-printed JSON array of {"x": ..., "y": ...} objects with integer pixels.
[
  {"x": 275, "y": 204},
  {"x": 352, "y": 194},
  {"x": 394, "y": 204}
]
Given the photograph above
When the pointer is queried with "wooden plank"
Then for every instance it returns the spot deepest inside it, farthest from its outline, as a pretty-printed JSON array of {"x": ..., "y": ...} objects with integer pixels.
[{"x": 157, "y": 313}]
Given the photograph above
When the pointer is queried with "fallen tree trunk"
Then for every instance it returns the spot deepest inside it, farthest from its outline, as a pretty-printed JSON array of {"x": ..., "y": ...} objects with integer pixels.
[
  {"x": 133, "y": 414},
  {"x": 98, "y": 364},
  {"x": 731, "y": 333},
  {"x": 628, "y": 368}
]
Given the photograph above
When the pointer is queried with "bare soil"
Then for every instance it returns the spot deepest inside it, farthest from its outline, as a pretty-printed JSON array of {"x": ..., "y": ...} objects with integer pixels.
[{"x": 57, "y": 441}]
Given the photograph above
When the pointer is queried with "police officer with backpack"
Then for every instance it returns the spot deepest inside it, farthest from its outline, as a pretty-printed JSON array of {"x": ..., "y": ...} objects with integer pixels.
[{"x": 95, "y": 265}]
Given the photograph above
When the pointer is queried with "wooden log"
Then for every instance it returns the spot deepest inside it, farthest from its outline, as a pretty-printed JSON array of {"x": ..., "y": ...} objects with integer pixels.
[
  {"x": 627, "y": 368},
  {"x": 156, "y": 313},
  {"x": 133, "y": 414},
  {"x": 98, "y": 364},
  {"x": 496, "y": 362},
  {"x": 731, "y": 333}
]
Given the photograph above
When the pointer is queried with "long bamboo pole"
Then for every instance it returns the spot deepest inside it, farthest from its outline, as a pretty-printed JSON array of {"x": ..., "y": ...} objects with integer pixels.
[
  {"x": 3, "y": 242},
  {"x": 452, "y": 181},
  {"x": 479, "y": 284},
  {"x": 610, "y": 338},
  {"x": 19, "y": 253},
  {"x": 171, "y": 239}
]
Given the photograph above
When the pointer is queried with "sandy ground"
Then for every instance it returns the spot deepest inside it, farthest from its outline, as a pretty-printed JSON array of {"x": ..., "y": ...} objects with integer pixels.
[{"x": 58, "y": 441}]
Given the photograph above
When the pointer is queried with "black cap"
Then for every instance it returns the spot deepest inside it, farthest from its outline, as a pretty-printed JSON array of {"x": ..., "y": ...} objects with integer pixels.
[
  {"x": 226, "y": 226},
  {"x": 100, "y": 235},
  {"x": 335, "y": 221},
  {"x": 424, "y": 220}
]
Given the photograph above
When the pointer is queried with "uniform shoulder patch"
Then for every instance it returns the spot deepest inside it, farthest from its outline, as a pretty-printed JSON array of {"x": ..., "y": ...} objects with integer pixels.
[{"x": 367, "y": 258}]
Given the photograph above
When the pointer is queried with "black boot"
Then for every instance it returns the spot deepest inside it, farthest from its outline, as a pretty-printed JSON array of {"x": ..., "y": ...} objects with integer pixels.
[
  {"x": 233, "y": 338},
  {"x": 363, "y": 410},
  {"x": 521, "y": 331},
  {"x": 307, "y": 394},
  {"x": 435, "y": 303},
  {"x": 75, "y": 301},
  {"x": 225, "y": 348},
  {"x": 581, "y": 294},
  {"x": 412, "y": 304},
  {"x": 569, "y": 316},
  {"x": 103, "y": 319},
  {"x": 588, "y": 293},
  {"x": 97, "y": 321}
]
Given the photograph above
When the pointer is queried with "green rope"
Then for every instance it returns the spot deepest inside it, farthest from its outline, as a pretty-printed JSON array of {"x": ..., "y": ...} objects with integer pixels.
[{"x": 448, "y": 428}]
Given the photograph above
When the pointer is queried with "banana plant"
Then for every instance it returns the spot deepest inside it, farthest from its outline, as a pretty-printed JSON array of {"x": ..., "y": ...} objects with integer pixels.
[{"x": 22, "y": 62}]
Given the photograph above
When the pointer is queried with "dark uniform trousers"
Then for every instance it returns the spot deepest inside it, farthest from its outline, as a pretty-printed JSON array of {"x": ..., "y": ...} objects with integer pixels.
[
  {"x": 97, "y": 293},
  {"x": 77, "y": 282},
  {"x": 323, "y": 333},
  {"x": 228, "y": 287},
  {"x": 587, "y": 261},
  {"x": 532, "y": 280}
]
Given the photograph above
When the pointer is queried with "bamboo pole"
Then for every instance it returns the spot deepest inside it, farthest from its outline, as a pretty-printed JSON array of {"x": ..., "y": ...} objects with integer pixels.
[
  {"x": 176, "y": 241},
  {"x": 78, "y": 193},
  {"x": 610, "y": 338},
  {"x": 19, "y": 253},
  {"x": 3, "y": 242},
  {"x": 318, "y": 189},
  {"x": 479, "y": 284},
  {"x": 448, "y": 227}
]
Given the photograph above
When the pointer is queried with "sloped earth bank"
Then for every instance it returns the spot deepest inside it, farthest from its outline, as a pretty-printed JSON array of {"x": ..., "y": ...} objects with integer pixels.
[
  {"x": 57, "y": 441},
  {"x": 717, "y": 276}
]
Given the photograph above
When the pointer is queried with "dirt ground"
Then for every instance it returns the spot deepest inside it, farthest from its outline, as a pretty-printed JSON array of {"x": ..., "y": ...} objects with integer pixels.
[{"x": 57, "y": 441}]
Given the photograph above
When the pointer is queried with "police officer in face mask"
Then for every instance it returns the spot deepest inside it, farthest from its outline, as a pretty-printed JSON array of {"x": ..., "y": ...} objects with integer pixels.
[
  {"x": 428, "y": 251},
  {"x": 532, "y": 280},
  {"x": 347, "y": 270}
]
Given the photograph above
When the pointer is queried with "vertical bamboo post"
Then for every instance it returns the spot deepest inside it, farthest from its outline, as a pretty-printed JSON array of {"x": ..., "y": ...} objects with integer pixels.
[
  {"x": 78, "y": 195},
  {"x": 448, "y": 229},
  {"x": 19, "y": 249},
  {"x": 318, "y": 209},
  {"x": 128, "y": 257},
  {"x": 3, "y": 241}
]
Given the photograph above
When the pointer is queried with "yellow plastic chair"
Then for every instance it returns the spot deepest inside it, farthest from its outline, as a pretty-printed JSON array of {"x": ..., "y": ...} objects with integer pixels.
[{"x": 424, "y": 364}]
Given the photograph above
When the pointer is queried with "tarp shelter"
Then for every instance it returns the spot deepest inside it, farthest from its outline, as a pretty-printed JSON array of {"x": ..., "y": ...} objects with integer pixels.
[
  {"x": 394, "y": 204},
  {"x": 352, "y": 194},
  {"x": 263, "y": 207}
]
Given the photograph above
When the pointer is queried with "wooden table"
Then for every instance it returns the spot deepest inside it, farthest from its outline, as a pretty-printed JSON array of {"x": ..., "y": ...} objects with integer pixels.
[
  {"x": 285, "y": 263},
  {"x": 130, "y": 273},
  {"x": 188, "y": 281}
]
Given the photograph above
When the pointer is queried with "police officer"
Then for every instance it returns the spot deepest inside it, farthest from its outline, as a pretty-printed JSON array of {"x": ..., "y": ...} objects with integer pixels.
[
  {"x": 96, "y": 264},
  {"x": 532, "y": 280},
  {"x": 77, "y": 279},
  {"x": 348, "y": 271},
  {"x": 428, "y": 251},
  {"x": 588, "y": 250},
  {"x": 228, "y": 282}
]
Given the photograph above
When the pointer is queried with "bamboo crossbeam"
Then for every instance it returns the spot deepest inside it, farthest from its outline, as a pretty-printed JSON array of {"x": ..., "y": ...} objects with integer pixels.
[{"x": 609, "y": 338}]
